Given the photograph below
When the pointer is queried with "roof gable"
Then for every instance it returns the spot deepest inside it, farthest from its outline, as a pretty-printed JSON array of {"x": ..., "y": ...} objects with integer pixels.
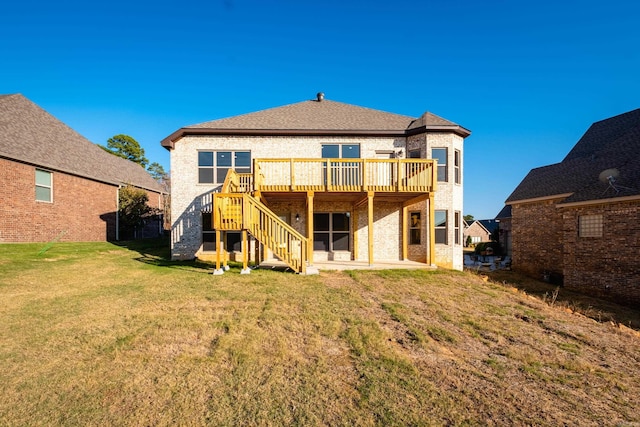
[
  {"x": 607, "y": 144},
  {"x": 31, "y": 135}
]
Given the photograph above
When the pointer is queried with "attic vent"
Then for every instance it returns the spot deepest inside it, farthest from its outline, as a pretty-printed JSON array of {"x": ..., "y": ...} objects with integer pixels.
[{"x": 320, "y": 96}]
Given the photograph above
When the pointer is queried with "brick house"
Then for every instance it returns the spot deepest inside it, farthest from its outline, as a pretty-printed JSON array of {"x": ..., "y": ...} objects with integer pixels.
[
  {"x": 480, "y": 230},
  {"x": 56, "y": 183},
  {"x": 577, "y": 222},
  {"x": 349, "y": 183}
]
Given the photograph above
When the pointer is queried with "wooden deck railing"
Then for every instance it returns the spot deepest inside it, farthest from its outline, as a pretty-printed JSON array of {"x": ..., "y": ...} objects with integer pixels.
[
  {"x": 236, "y": 182},
  {"x": 243, "y": 211},
  {"x": 345, "y": 175}
]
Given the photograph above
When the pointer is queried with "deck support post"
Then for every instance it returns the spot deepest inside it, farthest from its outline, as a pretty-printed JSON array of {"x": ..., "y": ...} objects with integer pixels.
[
  {"x": 245, "y": 253},
  {"x": 310, "y": 195},
  {"x": 218, "y": 271},
  {"x": 432, "y": 232},
  {"x": 370, "y": 224},
  {"x": 405, "y": 232}
]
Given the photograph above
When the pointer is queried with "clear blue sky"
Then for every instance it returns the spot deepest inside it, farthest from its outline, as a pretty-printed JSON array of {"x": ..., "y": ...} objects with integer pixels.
[{"x": 526, "y": 77}]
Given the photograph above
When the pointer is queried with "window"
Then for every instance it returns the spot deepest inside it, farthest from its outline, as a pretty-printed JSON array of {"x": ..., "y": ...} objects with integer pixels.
[
  {"x": 208, "y": 233},
  {"x": 331, "y": 231},
  {"x": 590, "y": 226},
  {"x": 340, "y": 151},
  {"x": 456, "y": 227},
  {"x": 456, "y": 166},
  {"x": 44, "y": 186},
  {"x": 441, "y": 227},
  {"x": 440, "y": 154},
  {"x": 233, "y": 238},
  {"x": 414, "y": 154},
  {"x": 214, "y": 165},
  {"x": 415, "y": 227}
]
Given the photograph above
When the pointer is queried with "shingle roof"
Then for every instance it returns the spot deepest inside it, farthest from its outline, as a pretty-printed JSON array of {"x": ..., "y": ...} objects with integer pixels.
[
  {"x": 319, "y": 117},
  {"x": 31, "y": 135},
  {"x": 613, "y": 143}
]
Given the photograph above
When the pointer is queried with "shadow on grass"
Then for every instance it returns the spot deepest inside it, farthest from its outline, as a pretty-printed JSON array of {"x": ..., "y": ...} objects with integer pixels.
[
  {"x": 596, "y": 308},
  {"x": 157, "y": 252}
]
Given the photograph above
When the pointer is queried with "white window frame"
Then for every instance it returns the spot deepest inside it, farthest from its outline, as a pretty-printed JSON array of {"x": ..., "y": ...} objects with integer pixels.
[
  {"x": 442, "y": 166},
  {"x": 49, "y": 187},
  {"x": 215, "y": 167}
]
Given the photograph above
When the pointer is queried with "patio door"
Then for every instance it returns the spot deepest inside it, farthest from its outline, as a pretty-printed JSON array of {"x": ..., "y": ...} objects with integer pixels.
[{"x": 331, "y": 231}]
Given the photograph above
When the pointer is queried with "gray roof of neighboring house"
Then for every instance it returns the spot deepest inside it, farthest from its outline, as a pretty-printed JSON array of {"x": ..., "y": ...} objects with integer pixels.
[
  {"x": 613, "y": 143},
  {"x": 317, "y": 117},
  {"x": 31, "y": 135}
]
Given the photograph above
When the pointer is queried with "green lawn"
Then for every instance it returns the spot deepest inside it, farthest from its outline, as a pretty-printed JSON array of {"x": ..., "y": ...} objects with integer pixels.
[{"x": 100, "y": 334}]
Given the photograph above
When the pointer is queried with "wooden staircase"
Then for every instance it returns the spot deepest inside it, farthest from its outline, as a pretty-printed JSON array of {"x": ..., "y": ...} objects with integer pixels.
[{"x": 236, "y": 209}]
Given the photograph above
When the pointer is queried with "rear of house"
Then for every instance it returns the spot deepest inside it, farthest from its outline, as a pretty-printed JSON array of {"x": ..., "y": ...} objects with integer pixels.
[
  {"x": 354, "y": 183},
  {"x": 57, "y": 184}
]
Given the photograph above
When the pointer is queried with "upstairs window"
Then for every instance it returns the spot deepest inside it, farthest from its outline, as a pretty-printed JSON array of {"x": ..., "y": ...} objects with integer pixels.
[
  {"x": 341, "y": 151},
  {"x": 414, "y": 154},
  {"x": 456, "y": 166},
  {"x": 214, "y": 165},
  {"x": 44, "y": 186},
  {"x": 440, "y": 154}
]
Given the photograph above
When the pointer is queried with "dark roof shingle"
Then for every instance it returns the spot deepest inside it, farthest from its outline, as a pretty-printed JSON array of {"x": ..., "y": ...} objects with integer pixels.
[
  {"x": 31, "y": 135},
  {"x": 612, "y": 143},
  {"x": 319, "y": 117}
]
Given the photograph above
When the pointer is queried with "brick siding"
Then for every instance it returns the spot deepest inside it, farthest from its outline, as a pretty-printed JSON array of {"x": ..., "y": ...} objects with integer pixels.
[
  {"x": 82, "y": 210},
  {"x": 607, "y": 266}
]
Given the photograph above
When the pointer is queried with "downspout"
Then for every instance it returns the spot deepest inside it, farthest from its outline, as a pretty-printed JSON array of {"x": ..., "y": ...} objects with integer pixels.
[{"x": 118, "y": 212}]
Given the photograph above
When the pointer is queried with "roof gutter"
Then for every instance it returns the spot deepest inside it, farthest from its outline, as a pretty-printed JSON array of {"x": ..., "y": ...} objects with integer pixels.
[
  {"x": 599, "y": 201},
  {"x": 169, "y": 142}
]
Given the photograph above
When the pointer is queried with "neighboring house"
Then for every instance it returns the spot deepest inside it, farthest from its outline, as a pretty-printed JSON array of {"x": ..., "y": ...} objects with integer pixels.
[
  {"x": 56, "y": 183},
  {"x": 577, "y": 222},
  {"x": 354, "y": 184},
  {"x": 480, "y": 230}
]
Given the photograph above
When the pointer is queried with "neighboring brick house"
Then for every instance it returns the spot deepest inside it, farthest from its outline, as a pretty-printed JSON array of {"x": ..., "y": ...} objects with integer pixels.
[
  {"x": 577, "y": 222},
  {"x": 361, "y": 205},
  {"x": 480, "y": 230},
  {"x": 55, "y": 183}
]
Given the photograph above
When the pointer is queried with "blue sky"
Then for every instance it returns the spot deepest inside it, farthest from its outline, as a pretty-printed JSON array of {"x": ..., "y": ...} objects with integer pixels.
[{"x": 527, "y": 78}]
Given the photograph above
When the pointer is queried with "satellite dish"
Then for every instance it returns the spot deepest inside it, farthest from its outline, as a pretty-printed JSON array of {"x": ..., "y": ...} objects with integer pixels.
[{"x": 609, "y": 176}]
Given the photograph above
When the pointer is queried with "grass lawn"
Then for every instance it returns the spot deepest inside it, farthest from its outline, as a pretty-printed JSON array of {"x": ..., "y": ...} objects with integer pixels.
[{"x": 100, "y": 334}]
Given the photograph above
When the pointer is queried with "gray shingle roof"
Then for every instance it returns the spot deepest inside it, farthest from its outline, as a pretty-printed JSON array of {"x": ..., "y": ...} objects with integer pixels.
[
  {"x": 31, "y": 135},
  {"x": 607, "y": 144},
  {"x": 319, "y": 117}
]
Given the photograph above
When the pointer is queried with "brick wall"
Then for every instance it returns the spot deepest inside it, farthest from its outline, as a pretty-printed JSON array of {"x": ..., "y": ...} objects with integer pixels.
[
  {"x": 82, "y": 210},
  {"x": 537, "y": 238},
  {"x": 607, "y": 266}
]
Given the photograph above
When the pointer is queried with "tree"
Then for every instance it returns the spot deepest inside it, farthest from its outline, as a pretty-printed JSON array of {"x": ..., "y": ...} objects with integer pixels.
[
  {"x": 469, "y": 218},
  {"x": 157, "y": 171},
  {"x": 134, "y": 210},
  {"x": 126, "y": 147}
]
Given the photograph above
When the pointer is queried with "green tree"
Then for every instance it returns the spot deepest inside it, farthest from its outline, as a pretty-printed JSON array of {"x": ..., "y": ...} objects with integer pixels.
[
  {"x": 134, "y": 210},
  {"x": 157, "y": 172},
  {"x": 469, "y": 218},
  {"x": 126, "y": 147}
]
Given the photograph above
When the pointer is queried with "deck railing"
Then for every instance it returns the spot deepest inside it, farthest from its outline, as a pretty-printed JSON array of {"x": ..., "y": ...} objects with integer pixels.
[
  {"x": 345, "y": 175},
  {"x": 243, "y": 211}
]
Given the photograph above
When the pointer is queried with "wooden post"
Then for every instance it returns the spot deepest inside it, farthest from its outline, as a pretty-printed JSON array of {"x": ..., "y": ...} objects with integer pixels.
[
  {"x": 370, "y": 224},
  {"x": 310, "y": 226},
  {"x": 245, "y": 253},
  {"x": 405, "y": 231},
  {"x": 218, "y": 270},
  {"x": 432, "y": 231}
]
